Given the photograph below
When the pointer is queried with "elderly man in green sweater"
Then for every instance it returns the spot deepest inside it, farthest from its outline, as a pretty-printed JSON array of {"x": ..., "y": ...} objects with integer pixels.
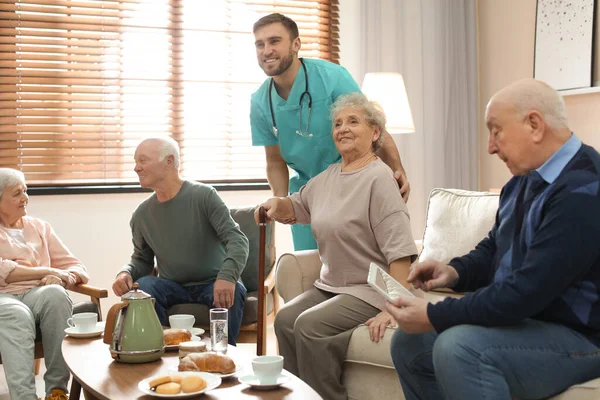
[{"x": 200, "y": 250}]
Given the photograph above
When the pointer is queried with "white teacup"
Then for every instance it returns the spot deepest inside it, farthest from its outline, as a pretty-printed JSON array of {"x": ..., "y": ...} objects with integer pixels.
[
  {"x": 267, "y": 368},
  {"x": 182, "y": 321},
  {"x": 83, "y": 322}
]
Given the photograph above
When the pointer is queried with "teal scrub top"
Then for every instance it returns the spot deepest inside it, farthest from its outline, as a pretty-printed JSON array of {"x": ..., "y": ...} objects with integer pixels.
[{"x": 307, "y": 156}]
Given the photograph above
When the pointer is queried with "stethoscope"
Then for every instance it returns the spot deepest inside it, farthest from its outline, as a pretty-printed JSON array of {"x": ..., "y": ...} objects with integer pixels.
[{"x": 305, "y": 93}]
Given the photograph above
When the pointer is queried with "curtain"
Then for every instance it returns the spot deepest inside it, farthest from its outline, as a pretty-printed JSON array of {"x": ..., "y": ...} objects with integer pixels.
[{"x": 433, "y": 44}]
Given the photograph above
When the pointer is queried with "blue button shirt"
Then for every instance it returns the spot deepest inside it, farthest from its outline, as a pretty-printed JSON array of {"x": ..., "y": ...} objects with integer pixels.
[{"x": 550, "y": 170}]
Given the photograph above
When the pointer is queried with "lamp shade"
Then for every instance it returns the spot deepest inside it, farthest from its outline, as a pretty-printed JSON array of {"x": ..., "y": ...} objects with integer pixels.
[{"x": 387, "y": 89}]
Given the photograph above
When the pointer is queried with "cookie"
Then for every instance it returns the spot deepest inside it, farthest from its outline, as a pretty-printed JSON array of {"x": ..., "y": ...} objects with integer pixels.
[
  {"x": 192, "y": 383},
  {"x": 168, "y": 388},
  {"x": 176, "y": 378},
  {"x": 159, "y": 381}
]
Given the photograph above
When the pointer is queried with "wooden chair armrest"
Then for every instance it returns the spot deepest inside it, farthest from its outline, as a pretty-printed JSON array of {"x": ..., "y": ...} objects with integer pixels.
[
  {"x": 95, "y": 295},
  {"x": 91, "y": 291}
]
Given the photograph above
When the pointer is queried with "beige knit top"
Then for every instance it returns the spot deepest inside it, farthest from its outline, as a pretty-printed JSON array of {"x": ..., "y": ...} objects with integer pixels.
[{"x": 357, "y": 218}]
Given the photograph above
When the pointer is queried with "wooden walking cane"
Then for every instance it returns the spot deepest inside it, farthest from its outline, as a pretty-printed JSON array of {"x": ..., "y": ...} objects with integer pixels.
[{"x": 261, "y": 337}]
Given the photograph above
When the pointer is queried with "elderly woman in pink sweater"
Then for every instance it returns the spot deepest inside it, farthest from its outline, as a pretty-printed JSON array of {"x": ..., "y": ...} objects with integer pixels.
[{"x": 35, "y": 270}]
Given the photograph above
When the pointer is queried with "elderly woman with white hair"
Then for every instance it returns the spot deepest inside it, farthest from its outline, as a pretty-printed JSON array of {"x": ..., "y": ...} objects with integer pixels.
[
  {"x": 358, "y": 216},
  {"x": 35, "y": 269}
]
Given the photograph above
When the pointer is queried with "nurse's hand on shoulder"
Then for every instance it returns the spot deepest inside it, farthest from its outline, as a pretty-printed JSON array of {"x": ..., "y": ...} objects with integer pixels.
[{"x": 404, "y": 185}]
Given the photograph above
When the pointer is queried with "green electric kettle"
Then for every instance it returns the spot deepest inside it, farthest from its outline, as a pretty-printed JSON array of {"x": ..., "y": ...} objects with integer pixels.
[{"x": 133, "y": 330}]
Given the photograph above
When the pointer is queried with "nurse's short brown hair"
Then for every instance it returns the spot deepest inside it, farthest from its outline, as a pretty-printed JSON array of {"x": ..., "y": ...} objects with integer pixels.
[{"x": 287, "y": 22}]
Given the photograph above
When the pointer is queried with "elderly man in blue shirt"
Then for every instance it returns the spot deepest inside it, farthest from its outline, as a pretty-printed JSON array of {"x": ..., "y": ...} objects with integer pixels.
[{"x": 529, "y": 326}]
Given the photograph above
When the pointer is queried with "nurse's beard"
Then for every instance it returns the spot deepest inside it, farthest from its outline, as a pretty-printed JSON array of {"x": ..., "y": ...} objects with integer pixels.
[{"x": 284, "y": 64}]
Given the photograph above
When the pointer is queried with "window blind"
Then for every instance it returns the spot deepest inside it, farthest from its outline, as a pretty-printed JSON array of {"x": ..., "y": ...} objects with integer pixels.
[{"x": 83, "y": 81}]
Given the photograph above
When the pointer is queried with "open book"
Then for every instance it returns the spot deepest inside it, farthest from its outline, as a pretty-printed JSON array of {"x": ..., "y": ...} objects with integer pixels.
[{"x": 385, "y": 284}]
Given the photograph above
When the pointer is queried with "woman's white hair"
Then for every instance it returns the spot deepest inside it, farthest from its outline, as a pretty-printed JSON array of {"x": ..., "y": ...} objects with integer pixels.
[
  {"x": 168, "y": 147},
  {"x": 10, "y": 177},
  {"x": 372, "y": 111}
]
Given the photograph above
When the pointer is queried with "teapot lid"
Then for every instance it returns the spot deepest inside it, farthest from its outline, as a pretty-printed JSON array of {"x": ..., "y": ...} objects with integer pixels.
[{"x": 135, "y": 294}]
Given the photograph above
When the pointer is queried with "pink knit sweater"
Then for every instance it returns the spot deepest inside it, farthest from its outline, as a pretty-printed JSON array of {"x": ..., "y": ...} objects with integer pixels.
[{"x": 42, "y": 249}]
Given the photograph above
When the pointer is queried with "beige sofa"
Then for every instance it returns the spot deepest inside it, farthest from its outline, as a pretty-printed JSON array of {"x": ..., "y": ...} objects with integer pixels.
[{"x": 456, "y": 220}]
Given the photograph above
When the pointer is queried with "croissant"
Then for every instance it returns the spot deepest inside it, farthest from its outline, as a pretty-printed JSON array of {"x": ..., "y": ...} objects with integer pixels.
[
  {"x": 176, "y": 336},
  {"x": 207, "y": 362}
]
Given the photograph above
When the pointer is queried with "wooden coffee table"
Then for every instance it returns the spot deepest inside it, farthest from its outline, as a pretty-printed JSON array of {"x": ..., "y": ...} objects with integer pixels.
[{"x": 102, "y": 378}]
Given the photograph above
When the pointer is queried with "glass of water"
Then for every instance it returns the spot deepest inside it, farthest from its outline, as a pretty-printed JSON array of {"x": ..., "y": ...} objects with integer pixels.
[{"x": 218, "y": 330}]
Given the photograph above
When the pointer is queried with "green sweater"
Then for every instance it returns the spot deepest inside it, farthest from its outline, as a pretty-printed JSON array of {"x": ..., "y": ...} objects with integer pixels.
[{"x": 192, "y": 235}]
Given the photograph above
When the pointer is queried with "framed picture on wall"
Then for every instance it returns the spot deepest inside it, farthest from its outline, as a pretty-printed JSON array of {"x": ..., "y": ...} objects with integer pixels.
[{"x": 563, "y": 43}]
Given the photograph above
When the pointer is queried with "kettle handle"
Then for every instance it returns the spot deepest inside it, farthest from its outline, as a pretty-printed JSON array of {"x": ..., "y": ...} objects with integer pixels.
[{"x": 110, "y": 321}]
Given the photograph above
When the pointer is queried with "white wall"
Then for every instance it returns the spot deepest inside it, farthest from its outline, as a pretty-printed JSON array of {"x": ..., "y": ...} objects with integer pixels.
[
  {"x": 96, "y": 227},
  {"x": 506, "y": 52}
]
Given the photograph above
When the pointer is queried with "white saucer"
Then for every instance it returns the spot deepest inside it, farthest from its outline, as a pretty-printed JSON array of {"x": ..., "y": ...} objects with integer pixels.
[
  {"x": 176, "y": 346},
  {"x": 98, "y": 330},
  {"x": 197, "y": 331},
  {"x": 253, "y": 381}
]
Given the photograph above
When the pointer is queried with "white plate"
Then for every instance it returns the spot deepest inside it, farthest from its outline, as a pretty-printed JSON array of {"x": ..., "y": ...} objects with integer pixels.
[
  {"x": 176, "y": 346},
  {"x": 98, "y": 330},
  {"x": 238, "y": 369},
  {"x": 253, "y": 381},
  {"x": 212, "y": 382},
  {"x": 198, "y": 331}
]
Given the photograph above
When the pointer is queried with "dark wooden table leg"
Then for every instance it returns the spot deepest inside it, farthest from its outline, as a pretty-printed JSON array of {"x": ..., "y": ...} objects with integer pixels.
[
  {"x": 89, "y": 396},
  {"x": 75, "y": 390}
]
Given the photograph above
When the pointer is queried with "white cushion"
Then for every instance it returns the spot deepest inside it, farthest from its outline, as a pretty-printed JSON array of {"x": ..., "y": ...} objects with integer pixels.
[{"x": 456, "y": 221}]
